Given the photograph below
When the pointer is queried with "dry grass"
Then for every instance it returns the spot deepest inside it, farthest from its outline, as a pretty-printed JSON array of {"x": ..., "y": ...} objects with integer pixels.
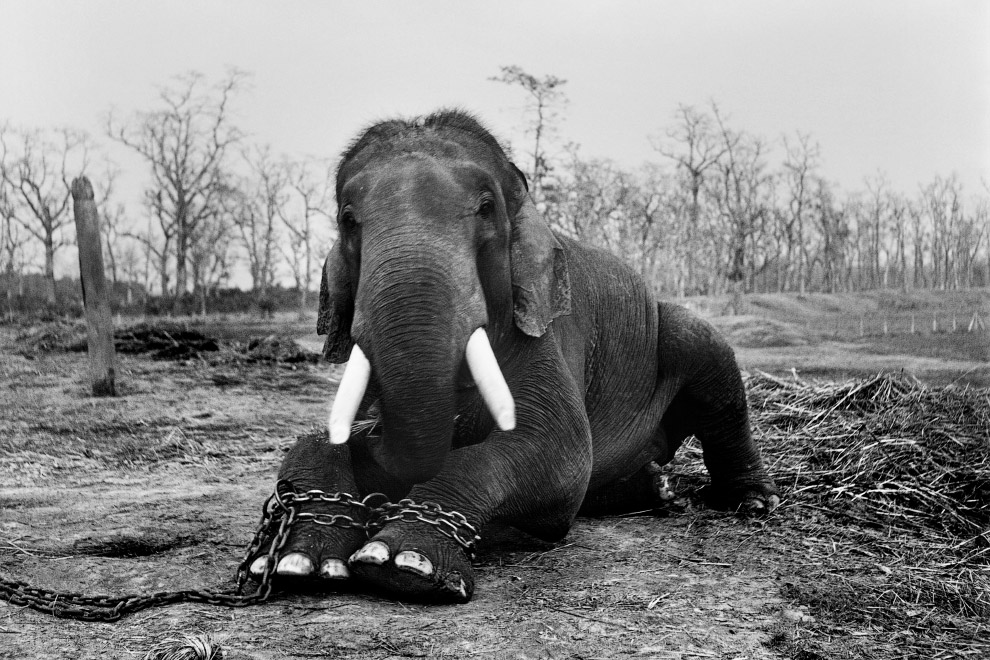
[
  {"x": 887, "y": 485},
  {"x": 880, "y": 550}
]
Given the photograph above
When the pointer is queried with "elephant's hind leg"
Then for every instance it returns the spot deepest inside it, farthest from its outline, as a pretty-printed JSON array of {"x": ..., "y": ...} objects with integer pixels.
[
  {"x": 739, "y": 480},
  {"x": 711, "y": 404}
]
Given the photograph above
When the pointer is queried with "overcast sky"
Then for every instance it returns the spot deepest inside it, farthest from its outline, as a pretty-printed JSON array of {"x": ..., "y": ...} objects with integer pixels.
[{"x": 896, "y": 86}]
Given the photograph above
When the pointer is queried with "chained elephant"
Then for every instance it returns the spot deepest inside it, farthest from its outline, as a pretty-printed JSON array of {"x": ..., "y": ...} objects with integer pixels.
[{"x": 516, "y": 375}]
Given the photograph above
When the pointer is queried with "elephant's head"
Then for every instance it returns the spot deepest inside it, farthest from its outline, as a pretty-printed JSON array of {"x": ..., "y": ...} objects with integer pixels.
[{"x": 438, "y": 238}]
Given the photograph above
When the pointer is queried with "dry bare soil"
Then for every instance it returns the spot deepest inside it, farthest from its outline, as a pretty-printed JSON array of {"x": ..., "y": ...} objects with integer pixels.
[{"x": 879, "y": 549}]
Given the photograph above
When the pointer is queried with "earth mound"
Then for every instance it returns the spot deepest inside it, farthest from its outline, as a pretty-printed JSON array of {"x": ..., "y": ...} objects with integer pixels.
[{"x": 758, "y": 332}]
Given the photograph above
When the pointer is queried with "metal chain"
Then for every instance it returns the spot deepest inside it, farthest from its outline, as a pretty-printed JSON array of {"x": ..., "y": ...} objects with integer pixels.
[
  {"x": 449, "y": 523},
  {"x": 287, "y": 497},
  {"x": 275, "y": 526},
  {"x": 279, "y": 513}
]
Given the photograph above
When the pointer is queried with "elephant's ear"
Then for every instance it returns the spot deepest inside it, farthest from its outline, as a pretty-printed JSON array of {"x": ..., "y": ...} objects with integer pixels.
[
  {"x": 336, "y": 307},
  {"x": 541, "y": 286}
]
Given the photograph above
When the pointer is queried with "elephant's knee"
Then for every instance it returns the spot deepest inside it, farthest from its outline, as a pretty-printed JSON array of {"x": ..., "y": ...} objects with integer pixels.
[{"x": 314, "y": 463}]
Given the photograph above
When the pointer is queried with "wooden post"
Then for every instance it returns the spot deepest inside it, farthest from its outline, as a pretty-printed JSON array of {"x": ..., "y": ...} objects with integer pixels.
[
  {"x": 975, "y": 323},
  {"x": 95, "y": 298}
]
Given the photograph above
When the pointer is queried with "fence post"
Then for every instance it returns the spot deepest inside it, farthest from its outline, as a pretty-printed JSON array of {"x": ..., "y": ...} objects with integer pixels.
[
  {"x": 95, "y": 299},
  {"x": 975, "y": 323}
]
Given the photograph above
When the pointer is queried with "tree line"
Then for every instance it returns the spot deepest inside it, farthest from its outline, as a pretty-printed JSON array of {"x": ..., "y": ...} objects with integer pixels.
[
  {"x": 213, "y": 197},
  {"x": 720, "y": 210}
]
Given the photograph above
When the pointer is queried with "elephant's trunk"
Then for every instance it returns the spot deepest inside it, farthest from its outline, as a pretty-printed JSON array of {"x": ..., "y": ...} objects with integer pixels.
[
  {"x": 411, "y": 331},
  {"x": 408, "y": 331}
]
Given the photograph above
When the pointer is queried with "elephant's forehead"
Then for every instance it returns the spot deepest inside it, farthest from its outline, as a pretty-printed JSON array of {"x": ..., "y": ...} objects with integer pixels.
[
  {"x": 433, "y": 149},
  {"x": 411, "y": 172}
]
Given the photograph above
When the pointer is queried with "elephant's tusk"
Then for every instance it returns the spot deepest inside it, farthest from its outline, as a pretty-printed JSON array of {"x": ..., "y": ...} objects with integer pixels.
[
  {"x": 490, "y": 381},
  {"x": 349, "y": 394}
]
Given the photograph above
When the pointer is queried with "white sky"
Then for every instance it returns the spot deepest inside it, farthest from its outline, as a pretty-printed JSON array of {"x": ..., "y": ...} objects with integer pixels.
[{"x": 897, "y": 86}]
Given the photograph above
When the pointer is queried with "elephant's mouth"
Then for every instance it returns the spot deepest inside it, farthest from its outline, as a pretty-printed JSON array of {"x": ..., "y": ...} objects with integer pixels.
[{"x": 481, "y": 364}]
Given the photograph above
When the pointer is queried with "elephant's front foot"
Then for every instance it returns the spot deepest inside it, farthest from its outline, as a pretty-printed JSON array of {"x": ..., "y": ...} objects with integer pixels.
[
  {"x": 327, "y": 530},
  {"x": 414, "y": 559}
]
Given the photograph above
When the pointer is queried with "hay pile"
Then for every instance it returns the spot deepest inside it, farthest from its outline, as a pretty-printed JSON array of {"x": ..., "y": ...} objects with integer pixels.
[
  {"x": 163, "y": 341},
  {"x": 50, "y": 337},
  {"x": 887, "y": 482},
  {"x": 273, "y": 348},
  {"x": 167, "y": 340}
]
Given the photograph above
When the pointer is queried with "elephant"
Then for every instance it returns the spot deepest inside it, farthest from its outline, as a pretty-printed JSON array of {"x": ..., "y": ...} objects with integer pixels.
[{"x": 516, "y": 375}]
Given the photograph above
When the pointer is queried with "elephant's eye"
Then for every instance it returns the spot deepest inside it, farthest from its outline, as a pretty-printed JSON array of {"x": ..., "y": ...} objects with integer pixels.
[
  {"x": 347, "y": 220},
  {"x": 486, "y": 209}
]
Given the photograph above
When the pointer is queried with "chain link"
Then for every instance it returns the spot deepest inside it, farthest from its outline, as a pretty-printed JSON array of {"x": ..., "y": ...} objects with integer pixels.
[
  {"x": 449, "y": 523},
  {"x": 286, "y": 497},
  {"x": 279, "y": 514}
]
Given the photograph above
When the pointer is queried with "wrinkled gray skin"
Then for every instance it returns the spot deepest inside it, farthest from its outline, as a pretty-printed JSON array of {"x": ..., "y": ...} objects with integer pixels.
[{"x": 439, "y": 237}]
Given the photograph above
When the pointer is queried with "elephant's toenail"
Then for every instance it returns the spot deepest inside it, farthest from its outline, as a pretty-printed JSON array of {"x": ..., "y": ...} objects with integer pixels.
[
  {"x": 375, "y": 553},
  {"x": 258, "y": 566},
  {"x": 334, "y": 569},
  {"x": 462, "y": 590},
  {"x": 752, "y": 506},
  {"x": 295, "y": 564},
  {"x": 414, "y": 562}
]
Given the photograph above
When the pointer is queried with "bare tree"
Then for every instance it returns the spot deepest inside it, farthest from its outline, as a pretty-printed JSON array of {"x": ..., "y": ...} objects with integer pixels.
[
  {"x": 186, "y": 142},
  {"x": 898, "y": 228},
  {"x": 695, "y": 146},
  {"x": 112, "y": 219},
  {"x": 875, "y": 212},
  {"x": 545, "y": 102},
  {"x": 919, "y": 242},
  {"x": 210, "y": 258},
  {"x": 157, "y": 240},
  {"x": 588, "y": 201},
  {"x": 134, "y": 267},
  {"x": 35, "y": 167},
  {"x": 310, "y": 199},
  {"x": 741, "y": 193},
  {"x": 13, "y": 240},
  {"x": 256, "y": 211},
  {"x": 801, "y": 162},
  {"x": 831, "y": 223},
  {"x": 981, "y": 220},
  {"x": 942, "y": 204}
]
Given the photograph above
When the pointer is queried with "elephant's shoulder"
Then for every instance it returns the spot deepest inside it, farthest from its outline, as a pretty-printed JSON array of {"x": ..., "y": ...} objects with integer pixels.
[{"x": 600, "y": 264}]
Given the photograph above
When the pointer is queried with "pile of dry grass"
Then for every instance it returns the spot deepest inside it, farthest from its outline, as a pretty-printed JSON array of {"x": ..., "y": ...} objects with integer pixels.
[
  {"x": 270, "y": 349},
  {"x": 167, "y": 340},
  {"x": 49, "y": 337},
  {"x": 888, "y": 483}
]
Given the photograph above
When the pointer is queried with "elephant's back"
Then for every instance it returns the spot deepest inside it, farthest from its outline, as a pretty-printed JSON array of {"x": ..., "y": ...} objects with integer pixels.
[
  {"x": 617, "y": 317},
  {"x": 606, "y": 288}
]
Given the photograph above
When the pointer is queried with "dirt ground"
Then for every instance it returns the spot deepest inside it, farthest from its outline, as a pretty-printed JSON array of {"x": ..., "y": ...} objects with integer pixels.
[{"x": 161, "y": 488}]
